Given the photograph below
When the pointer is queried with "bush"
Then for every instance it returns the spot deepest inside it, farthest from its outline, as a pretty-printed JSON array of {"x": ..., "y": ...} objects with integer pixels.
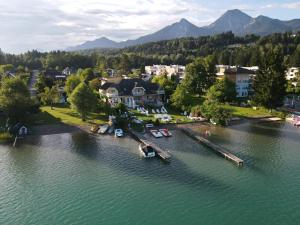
[
  {"x": 196, "y": 111},
  {"x": 157, "y": 122},
  {"x": 5, "y": 137}
]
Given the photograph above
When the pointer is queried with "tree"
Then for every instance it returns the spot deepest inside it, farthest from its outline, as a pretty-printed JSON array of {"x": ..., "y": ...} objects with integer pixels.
[
  {"x": 169, "y": 85},
  {"x": 87, "y": 75},
  {"x": 215, "y": 111},
  {"x": 270, "y": 82},
  {"x": 181, "y": 98},
  {"x": 95, "y": 84},
  {"x": 43, "y": 82},
  {"x": 124, "y": 65},
  {"x": 50, "y": 96},
  {"x": 71, "y": 83},
  {"x": 6, "y": 68},
  {"x": 14, "y": 97},
  {"x": 197, "y": 80},
  {"x": 83, "y": 100},
  {"x": 223, "y": 91}
]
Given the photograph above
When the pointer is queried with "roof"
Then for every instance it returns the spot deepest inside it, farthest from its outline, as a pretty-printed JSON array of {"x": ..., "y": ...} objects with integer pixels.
[
  {"x": 238, "y": 70},
  {"x": 125, "y": 86}
]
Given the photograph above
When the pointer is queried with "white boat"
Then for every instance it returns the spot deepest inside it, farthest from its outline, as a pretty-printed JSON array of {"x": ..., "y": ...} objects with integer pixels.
[
  {"x": 212, "y": 122},
  {"x": 165, "y": 132},
  {"x": 149, "y": 125},
  {"x": 163, "y": 110},
  {"x": 103, "y": 129},
  {"x": 157, "y": 110},
  {"x": 156, "y": 133},
  {"x": 119, "y": 133},
  {"x": 147, "y": 151}
]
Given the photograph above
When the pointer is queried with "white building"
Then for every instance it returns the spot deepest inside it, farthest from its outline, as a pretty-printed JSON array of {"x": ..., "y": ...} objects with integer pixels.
[
  {"x": 241, "y": 76},
  {"x": 291, "y": 73},
  {"x": 171, "y": 70}
]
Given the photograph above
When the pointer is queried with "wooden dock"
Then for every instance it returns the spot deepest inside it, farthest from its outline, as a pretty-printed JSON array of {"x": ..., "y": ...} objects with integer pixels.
[
  {"x": 162, "y": 154},
  {"x": 216, "y": 148}
]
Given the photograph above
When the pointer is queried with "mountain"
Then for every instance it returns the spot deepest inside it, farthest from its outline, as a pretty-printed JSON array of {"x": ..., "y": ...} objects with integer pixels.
[
  {"x": 183, "y": 28},
  {"x": 102, "y": 42},
  {"x": 233, "y": 20}
]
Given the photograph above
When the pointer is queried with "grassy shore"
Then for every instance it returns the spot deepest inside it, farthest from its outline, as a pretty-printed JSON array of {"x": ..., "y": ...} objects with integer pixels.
[
  {"x": 247, "y": 112},
  {"x": 64, "y": 114}
]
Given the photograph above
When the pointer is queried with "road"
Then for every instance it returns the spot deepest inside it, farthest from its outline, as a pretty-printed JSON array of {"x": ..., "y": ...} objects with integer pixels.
[{"x": 32, "y": 81}]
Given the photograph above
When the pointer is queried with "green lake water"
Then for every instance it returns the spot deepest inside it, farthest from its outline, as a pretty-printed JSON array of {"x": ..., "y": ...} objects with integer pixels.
[{"x": 83, "y": 179}]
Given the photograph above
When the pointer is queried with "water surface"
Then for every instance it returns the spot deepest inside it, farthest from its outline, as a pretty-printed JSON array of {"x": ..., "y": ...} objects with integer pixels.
[{"x": 83, "y": 179}]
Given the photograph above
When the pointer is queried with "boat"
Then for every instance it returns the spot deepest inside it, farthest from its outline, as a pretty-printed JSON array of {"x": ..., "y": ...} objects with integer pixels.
[
  {"x": 119, "y": 133},
  {"x": 149, "y": 125},
  {"x": 212, "y": 122},
  {"x": 156, "y": 133},
  {"x": 103, "y": 129},
  {"x": 94, "y": 128},
  {"x": 111, "y": 129},
  {"x": 165, "y": 132},
  {"x": 147, "y": 151}
]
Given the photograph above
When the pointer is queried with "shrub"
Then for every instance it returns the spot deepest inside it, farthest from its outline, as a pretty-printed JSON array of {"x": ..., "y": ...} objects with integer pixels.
[{"x": 5, "y": 137}]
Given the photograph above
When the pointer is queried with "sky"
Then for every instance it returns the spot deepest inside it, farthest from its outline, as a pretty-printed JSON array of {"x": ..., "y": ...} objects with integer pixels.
[{"x": 57, "y": 24}]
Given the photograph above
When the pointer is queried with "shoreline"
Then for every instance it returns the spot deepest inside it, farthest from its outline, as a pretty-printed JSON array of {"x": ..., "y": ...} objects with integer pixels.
[{"x": 49, "y": 129}]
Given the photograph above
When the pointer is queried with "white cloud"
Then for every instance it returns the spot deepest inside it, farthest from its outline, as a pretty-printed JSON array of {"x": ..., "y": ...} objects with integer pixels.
[{"x": 57, "y": 24}]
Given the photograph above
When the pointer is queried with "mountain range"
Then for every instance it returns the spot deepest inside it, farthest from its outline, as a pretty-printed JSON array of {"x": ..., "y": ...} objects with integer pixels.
[{"x": 233, "y": 20}]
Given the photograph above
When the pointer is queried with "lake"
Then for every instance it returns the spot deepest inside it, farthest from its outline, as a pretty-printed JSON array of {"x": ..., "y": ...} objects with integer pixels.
[{"x": 83, "y": 179}]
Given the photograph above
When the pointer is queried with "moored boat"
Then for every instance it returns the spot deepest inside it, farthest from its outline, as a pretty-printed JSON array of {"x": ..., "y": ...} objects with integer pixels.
[
  {"x": 94, "y": 128},
  {"x": 165, "y": 132},
  {"x": 103, "y": 129},
  {"x": 111, "y": 129},
  {"x": 156, "y": 133},
  {"x": 119, "y": 133},
  {"x": 147, "y": 151}
]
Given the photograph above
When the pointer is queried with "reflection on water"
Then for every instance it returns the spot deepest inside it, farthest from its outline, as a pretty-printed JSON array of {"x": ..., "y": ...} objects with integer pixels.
[{"x": 84, "y": 179}]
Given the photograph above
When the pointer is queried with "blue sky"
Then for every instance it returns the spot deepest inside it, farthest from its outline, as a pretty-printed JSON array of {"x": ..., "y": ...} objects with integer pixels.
[{"x": 57, "y": 24}]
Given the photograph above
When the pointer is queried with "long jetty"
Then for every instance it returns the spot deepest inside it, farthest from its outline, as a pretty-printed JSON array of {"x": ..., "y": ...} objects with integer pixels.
[
  {"x": 216, "y": 148},
  {"x": 162, "y": 154}
]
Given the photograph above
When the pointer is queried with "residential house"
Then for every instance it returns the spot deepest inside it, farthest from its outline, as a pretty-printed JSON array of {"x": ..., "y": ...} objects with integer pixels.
[
  {"x": 171, "y": 70},
  {"x": 132, "y": 92},
  {"x": 241, "y": 76},
  {"x": 291, "y": 74}
]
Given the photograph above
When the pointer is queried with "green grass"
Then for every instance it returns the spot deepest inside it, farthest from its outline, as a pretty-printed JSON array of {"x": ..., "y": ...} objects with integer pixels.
[
  {"x": 247, "y": 112},
  {"x": 176, "y": 115},
  {"x": 64, "y": 114},
  {"x": 5, "y": 137}
]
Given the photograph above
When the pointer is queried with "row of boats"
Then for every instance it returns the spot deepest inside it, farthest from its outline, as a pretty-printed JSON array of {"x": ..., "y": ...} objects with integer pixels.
[
  {"x": 105, "y": 128},
  {"x": 160, "y": 133}
]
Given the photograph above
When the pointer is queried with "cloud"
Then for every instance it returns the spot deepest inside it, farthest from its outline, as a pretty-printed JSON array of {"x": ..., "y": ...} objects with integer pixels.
[
  {"x": 290, "y": 5},
  {"x": 57, "y": 24}
]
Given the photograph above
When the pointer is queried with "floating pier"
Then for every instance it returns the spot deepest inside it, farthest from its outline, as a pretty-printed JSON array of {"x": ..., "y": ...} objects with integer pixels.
[
  {"x": 162, "y": 154},
  {"x": 216, "y": 148}
]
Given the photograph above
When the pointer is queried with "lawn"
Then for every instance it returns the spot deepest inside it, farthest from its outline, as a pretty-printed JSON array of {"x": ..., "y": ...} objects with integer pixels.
[
  {"x": 176, "y": 115},
  {"x": 247, "y": 112},
  {"x": 64, "y": 114}
]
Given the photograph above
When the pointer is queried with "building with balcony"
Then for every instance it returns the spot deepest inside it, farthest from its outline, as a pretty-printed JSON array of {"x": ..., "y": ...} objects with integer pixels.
[
  {"x": 132, "y": 92},
  {"x": 241, "y": 76},
  {"x": 171, "y": 70}
]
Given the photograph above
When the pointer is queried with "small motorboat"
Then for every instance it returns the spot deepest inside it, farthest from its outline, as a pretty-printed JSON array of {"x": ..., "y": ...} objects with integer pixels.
[
  {"x": 147, "y": 151},
  {"x": 156, "y": 133},
  {"x": 103, "y": 129},
  {"x": 119, "y": 133},
  {"x": 149, "y": 125},
  {"x": 165, "y": 132},
  {"x": 94, "y": 128},
  {"x": 212, "y": 122}
]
